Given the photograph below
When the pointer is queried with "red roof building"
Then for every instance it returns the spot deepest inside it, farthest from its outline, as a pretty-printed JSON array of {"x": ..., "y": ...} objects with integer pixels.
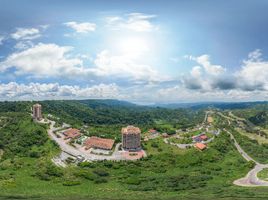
[
  {"x": 152, "y": 131},
  {"x": 72, "y": 133},
  {"x": 200, "y": 146},
  {"x": 99, "y": 143},
  {"x": 203, "y": 137}
]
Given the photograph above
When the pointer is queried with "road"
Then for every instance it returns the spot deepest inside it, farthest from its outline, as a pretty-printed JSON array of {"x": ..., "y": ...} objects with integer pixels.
[
  {"x": 240, "y": 150},
  {"x": 251, "y": 179}
]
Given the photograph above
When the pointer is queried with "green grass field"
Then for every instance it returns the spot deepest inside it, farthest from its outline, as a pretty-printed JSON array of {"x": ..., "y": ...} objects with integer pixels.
[{"x": 167, "y": 173}]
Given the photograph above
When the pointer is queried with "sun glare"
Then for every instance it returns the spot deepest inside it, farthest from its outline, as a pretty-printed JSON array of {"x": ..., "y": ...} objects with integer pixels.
[{"x": 133, "y": 46}]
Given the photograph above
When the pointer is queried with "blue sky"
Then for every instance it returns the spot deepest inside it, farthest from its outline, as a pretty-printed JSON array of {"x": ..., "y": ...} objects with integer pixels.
[{"x": 141, "y": 51}]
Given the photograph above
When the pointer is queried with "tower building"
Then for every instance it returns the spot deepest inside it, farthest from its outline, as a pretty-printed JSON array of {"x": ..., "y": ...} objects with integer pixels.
[
  {"x": 131, "y": 138},
  {"x": 37, "y": 111}
]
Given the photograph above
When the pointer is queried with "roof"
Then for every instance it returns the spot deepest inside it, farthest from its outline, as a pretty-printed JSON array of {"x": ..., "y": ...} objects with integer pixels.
[
  {"x": 97, "y": 142},
  {"x": 200, "y": 146},
  {"x": 203, "y": 137},
  {"x": 152, "y": 131},
  {"x": 72, "y": 133},
  {"x": 37, "y": 105},
  {"x": 165, "y": 135},
  {"x": 131, "y": 130}
]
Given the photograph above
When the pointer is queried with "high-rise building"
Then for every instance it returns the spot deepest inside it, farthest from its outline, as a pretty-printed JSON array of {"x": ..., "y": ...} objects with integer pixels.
[
  {"x": 131, "y": 138},
  {"x": 37, "y": 111}
]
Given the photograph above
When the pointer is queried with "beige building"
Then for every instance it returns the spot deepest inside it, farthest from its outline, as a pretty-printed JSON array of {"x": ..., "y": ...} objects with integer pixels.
[
  {"x": 131, "y": 138},
  {"x": 37, "y": 111}
]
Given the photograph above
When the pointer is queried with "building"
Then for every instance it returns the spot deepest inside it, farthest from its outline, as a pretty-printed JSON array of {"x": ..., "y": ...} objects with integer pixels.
[
  {"x": 165, "y": 135},
  {"x": 131, "y": 138},
  {"x": 99, "y": 143},
  {"x": 200, "y": 146},
  {"x": 199, "y": 138},
  {"x": 37, "y": 111},
  {"x": 72, "y": 133},
  {"x": 153, "y": 131}
]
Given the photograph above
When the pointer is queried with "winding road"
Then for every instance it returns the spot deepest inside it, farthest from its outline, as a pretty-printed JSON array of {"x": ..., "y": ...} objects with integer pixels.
[{"x": 251, "y": 179}]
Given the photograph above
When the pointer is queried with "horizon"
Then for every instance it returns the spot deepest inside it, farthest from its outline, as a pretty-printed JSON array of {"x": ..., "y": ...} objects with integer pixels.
[
  {"x": 183, "y": 52},
  {"x": 142, "y": 103}
]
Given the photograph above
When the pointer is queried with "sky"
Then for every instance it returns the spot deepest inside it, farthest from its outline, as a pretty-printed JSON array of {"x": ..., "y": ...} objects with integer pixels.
[{"x": 150, "y": 51}]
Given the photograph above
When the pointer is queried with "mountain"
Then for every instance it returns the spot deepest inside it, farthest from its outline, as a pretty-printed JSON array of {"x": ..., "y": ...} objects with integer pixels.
[{"x": 219, "y": 105}]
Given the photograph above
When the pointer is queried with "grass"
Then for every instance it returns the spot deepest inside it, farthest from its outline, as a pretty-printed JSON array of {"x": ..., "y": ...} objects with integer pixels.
[
  {"x": 263, "y": 174},
  {"x": 169, "y": 173},
  {"x": 253, "y": 136}
]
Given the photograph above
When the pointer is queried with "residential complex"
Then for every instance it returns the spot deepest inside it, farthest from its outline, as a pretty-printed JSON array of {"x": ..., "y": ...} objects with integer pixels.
[
  {"x": 131, "y": 138},
  {"x": 37, "y": 111}
]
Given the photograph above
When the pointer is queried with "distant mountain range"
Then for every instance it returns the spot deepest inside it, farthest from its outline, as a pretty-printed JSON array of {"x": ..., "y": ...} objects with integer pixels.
[{"x": 219, "y": 105}]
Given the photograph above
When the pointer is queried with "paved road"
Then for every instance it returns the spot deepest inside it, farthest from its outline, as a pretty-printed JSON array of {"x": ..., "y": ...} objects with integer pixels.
[
  {"x": 251, "y": 179},
  {"x": 240, "y": 150}
]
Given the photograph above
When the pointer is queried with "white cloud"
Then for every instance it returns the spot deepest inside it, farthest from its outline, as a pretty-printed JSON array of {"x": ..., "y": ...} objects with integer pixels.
[
  {"x": 26, "y": 34},
  {"x": 1, "y": 39},
  {"x": 204, "y": 61},
  {"x": 21, "y": 45},
  {"x": 124, "y": 66},
  {"x": 51, "y": 60},
  {"x": 254, "y": 72},
  {"x": 252, "y": 76},
  {"x": 15, "y": 91},
  {"x": 196, "y": 72},
  {"x": 85, "y": 27},
  {"x": 181, "y": 94},
  {"x": 134, "y": 21},
  {"x": 43, "y": 60}
]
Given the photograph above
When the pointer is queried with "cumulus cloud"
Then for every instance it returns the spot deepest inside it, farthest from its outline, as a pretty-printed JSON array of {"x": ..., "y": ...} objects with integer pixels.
[
  {"x": 123, "y": 66},
  {"x": 196, "y": 72},
  {"x": 252, "y": 75},
  {"x": 84, "y": 27},
  {"x": 43, "y": 60},
  {"x": 254, "y": 72},
  {"x": 26, "y": 34},
  {"x": 51, "y": 60},
  {"x": 134, "y": 21},
  {"x": 15, "y": 91},
  {"x": 204, "y": 61}
]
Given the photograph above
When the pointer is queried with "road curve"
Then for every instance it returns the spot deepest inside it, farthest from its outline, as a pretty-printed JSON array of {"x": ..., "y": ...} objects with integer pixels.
[{"x": 251, "y": 179}]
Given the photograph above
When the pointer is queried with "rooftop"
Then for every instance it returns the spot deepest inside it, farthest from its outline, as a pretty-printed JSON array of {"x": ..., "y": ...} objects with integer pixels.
[
  {"x": 200, "y": 146},
  {"x": 131, "y": 130},
  {"x": 97, "y": 142},
  {"x": 72, "y": 133}
]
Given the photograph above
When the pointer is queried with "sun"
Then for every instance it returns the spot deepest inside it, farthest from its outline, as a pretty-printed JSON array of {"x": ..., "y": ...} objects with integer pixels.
[{"x": 133, "y": 46}]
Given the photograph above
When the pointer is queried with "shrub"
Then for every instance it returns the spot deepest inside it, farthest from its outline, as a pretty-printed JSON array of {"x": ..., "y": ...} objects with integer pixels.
[
  {"x": 101, "y": 172},
  {"x": 85, "y": 174},
  {"x": 71, "y": 183},
  {"x": 100, "y": 180}
]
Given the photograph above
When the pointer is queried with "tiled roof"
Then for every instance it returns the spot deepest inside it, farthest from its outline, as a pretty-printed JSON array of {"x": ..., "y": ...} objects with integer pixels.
[
  {"x": 72, "y": 133},
  {"x": 97, "y": 142},
  {"x": 203, "y": 137},
  {"x": 200, "y": 146}
]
